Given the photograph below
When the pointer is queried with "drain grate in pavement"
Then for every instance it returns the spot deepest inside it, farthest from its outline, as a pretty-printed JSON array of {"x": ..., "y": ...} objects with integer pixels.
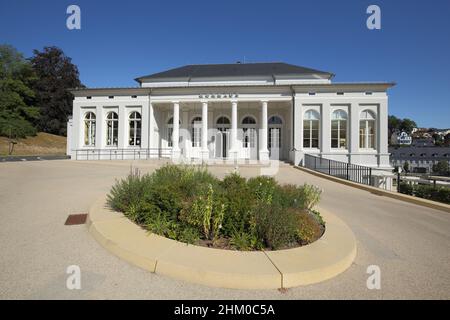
[{"x": 74, "y": 219}]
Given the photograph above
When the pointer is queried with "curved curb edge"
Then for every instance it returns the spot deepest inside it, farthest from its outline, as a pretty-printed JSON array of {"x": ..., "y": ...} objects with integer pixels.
[{"x": 327, "y": 257}]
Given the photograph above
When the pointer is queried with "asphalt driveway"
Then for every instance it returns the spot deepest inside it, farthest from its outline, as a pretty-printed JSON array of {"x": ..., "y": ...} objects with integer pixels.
[{"x": 410, "y": 243}]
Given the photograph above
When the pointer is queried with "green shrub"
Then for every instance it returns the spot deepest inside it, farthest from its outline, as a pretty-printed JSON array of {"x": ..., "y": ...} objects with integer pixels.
[
  {"x": 438, "y": 193},
  {"x": 239, "y": 203},
  {"x": 242, "y": 240},
  {"x": 189, "y": 204},
  {"x": 263, "y": 188},
  {"x": 406, "y": 188},
  {"x": 206, "y": 212},
  {"x": 189, "y": 235},
  {"x": 307, "y": 228},
  {"x": 129, "y": 191},
  {"x": 311, "y": 196},
  {"x": 289, "y": 196},
  {"x": 276, "y": 226}
]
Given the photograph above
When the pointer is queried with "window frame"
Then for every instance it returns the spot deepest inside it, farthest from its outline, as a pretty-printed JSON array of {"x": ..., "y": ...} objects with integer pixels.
[
  {"x": 364, "y": 131},
  {"x": 308, "y": 117},
  {"x": 135, "y": 125},
  {"x": 90, "y": 125},
  {"x": 339, "y": 119},
  {"x": 112, "y": 132}
]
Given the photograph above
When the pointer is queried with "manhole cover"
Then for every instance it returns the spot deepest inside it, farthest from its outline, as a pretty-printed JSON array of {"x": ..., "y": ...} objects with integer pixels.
[{"x": 74, "y": 219}]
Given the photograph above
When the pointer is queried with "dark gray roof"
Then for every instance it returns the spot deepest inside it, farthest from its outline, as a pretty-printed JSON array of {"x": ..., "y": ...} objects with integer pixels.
[
  {"x": 413, "y": 153},
  {"x": 271, "y": 69}
]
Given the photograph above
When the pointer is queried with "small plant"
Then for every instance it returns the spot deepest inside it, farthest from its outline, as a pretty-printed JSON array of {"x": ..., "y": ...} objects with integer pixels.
[
  {"x": 311, "y": 196},
  {"x": 242, "y": 240},
  {"x": 307, "y": 229}
]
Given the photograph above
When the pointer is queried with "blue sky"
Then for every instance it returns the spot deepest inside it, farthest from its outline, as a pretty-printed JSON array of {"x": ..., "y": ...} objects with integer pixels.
[{"x": 121, "y": 40}]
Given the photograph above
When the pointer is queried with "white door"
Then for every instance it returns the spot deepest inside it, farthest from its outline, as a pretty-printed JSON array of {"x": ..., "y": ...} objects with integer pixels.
[
  {"x": 250, "y": 143},
  {"x": 274, "y": 143}
]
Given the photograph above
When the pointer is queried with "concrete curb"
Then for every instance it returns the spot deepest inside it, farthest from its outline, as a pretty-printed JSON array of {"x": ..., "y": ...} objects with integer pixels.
[
  {"x": 329, "y": 256},
  {"x": 395, "y": 195}
]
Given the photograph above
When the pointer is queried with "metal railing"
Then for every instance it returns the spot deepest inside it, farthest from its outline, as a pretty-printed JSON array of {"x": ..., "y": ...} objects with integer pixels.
[
  {"x": 122, "y": 154},
  {"x": 343, "y": 170}
]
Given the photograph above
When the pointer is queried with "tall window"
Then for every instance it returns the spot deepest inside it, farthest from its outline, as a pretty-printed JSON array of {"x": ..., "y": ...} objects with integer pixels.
[
  {"x": 311, "y": 129},
  {"x": 339, "y": 129},
  {"x": 112, "y": 129},
  {"x": 89, "y": 129},
  {"x": 274, "y": 138},
  {"x": 196, "y": 132},
  {"x": 249, "y": 132},
  {"x": 367, "y": 130},
  {"x": 170, "y": 132},
  {"x": 135, "y": 128}
]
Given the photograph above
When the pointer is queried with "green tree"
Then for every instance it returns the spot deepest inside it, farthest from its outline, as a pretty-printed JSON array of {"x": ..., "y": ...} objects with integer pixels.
[
  {"x": 16, "y": 96},
  {"x": 406, "y": 166},
  {"x": 56, "y": 74},
  {"x": 407, "y": 125},
  {"x": 393, "y": 124},
  {"x": 441, "y": 167}
]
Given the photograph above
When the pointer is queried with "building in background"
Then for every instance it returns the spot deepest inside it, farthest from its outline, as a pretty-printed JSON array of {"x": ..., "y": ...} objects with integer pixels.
[{"x": 401, "y": 138}]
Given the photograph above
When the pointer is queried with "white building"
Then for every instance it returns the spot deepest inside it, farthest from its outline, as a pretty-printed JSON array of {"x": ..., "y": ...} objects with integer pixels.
[
  {"x": 234, "y": 111},
  {"x": 401, "y": 138}
]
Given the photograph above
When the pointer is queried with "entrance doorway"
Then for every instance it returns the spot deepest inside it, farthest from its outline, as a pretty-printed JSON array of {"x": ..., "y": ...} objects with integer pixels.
[
  {"x": 275, "y": 138},
  {"x": 222, "y": 137},
  {"x": 249, "y": 138}
]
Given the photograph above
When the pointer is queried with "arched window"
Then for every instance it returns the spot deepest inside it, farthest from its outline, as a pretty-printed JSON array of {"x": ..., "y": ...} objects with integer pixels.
[
  {"x": 367, "y": 130},
  {"x": 89, "y": 129},
  {"x": 248, "y": 120},
  {"x": 135, "y": 128},
  {"x": 248, "y": 132},
  {"x": 274, "y": 137},
  {"x": 170, "y": 132},
  {"x": 275, "y": 120},
  {"x": 311, "y": 129},
  {"x": 196, "y": 132},
  {"x": 223, "y": 121},
  {"x": 339, "y": 129},
  {"x": 112, "y": 129}
]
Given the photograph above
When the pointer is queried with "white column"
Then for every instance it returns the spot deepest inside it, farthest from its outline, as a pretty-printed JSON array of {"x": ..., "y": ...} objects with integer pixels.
[
  {"x": 263, "y": 151},
  {"x": 176, "y": 130},
  {"x": 234, "y": 121},
  {"x": 205, "y": 151},
  {"x": 354, "y": 132},
  {"x": 297, "y": 126},
  {"x": 382, "y": 134},
  {"x": 325, "y": 129},
  {"x": 100, "y": 138}
]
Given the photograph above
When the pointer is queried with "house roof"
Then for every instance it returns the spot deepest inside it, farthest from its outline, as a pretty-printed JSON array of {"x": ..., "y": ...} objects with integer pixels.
[
  {"x": 415, "y": 153},
  {"x": 269, "y": 69}
]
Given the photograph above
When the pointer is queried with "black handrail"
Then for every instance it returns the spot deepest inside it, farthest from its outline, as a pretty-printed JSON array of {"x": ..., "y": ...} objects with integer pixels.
[
  {"x": 122, "y": 154},
  {"x": 339, "y": 169}
]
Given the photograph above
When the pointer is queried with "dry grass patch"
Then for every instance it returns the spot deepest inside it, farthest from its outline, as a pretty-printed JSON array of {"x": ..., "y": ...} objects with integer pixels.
[{"x": 42, "y": 144}]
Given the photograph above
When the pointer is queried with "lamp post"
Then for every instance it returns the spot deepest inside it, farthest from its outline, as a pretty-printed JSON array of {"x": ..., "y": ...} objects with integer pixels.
[{"x": 399, "y": 171}]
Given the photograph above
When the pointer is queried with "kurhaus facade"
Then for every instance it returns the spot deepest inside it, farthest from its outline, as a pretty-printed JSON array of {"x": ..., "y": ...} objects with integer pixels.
[{"x": 255, "y": 111}]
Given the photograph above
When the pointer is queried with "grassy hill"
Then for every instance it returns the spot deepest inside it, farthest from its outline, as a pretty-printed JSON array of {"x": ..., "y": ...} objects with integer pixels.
[{"x": 42, "y": 144}]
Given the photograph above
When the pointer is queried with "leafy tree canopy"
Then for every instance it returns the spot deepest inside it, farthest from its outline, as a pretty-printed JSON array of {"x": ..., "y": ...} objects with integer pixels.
[
  {"x": 16, "y": 96},
  {"x": 56, "y": 74},
  {"x": 397, "y": 124}
]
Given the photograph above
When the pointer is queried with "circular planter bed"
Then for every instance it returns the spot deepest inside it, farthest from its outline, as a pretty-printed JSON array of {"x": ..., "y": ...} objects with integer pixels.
[{"x": 190, "y": 205}]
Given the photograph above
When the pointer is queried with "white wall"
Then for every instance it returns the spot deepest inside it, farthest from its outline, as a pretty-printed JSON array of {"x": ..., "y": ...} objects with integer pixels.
[{"x": 157, "y": 108}]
